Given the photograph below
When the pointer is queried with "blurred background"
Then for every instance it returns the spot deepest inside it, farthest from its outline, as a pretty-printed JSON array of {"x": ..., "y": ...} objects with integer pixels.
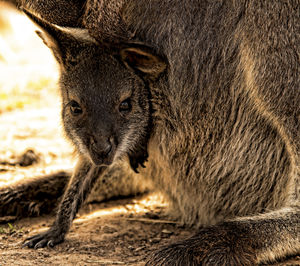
[{"x": 29, "y": 102}]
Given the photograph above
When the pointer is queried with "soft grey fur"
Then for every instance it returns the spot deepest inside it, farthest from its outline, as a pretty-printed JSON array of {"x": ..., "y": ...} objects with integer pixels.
[{"x": 218, "y": 89}]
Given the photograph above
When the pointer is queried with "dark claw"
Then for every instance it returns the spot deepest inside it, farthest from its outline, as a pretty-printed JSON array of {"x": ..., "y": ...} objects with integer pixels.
[
  {"x": 27, "y": 244},
  {"x": 137, "y": 159},
  {"x": 135, "y": 170},
  {"x": 41, "y": 244},
  {"x": 32, "y": 241},
  {"x": 46, "y": 239},
  {"x": 50, "y": 244}
]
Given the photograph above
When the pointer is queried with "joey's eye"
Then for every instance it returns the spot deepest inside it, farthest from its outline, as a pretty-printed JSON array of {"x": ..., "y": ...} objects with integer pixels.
[
  {"x": 75, "y": 108},
  {"x": 125, "y": 106}
]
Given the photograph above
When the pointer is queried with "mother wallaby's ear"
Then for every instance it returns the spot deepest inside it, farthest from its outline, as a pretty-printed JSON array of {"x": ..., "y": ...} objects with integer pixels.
[
  {"x": 143, "y": 60},
  {"x": 65, "y": 43}
]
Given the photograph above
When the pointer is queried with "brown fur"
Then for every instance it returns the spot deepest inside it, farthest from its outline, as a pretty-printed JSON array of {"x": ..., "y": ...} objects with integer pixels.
[{"x": 224, "y": 141}]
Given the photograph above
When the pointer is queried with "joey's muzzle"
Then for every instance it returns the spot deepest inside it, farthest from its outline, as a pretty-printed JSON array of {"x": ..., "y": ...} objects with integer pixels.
[{"x": 102, "y": 150}]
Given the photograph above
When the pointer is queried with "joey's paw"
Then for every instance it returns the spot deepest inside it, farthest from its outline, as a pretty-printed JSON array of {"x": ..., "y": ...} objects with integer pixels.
[
  {"x": 211, "y": 246},
  {"x": 49, "y": 238},
  {"x": 138, "y": 159}
]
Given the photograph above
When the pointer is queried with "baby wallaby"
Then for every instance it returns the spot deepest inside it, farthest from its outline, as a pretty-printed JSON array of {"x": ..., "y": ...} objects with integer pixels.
[
  {"x": 106, "y": 126},
  {"x": 194, "y": 118}
]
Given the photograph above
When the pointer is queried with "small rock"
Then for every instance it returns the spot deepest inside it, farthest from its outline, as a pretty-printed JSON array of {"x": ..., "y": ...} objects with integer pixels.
[{"x": 167, "y": 232}]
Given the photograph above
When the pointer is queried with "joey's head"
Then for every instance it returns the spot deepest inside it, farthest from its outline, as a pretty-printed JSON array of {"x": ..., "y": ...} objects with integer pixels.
[
  {"x": 106, "y": 109},
  {"x": 106, "y": 101}
]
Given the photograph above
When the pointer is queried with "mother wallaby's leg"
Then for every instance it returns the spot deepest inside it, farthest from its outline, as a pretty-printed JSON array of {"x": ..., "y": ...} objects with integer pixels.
[
  {"x": 269, "y": 54},
  {"x": 242, "y": 241}
]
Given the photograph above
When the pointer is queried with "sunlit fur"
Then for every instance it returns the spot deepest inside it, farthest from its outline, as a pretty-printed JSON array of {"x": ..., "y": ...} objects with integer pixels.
[
  {"x": 226, "y": 124},
  {"x": 225, "y": 139}
]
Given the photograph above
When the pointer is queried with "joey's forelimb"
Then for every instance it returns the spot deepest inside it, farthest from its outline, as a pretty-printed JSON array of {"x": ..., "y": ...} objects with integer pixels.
[{"x": 78, "y": 188}]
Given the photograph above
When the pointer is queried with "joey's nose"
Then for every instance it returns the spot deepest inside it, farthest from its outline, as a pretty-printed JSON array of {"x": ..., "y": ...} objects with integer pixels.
[{"x": 101, "y": 145}]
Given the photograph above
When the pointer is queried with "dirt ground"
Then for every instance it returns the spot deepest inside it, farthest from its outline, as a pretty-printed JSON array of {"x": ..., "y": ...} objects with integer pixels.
[{"x": 118, "y": 232}]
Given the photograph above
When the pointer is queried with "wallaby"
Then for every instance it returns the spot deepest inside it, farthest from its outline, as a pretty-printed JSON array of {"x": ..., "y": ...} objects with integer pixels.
[
  {"x": 208, "y": 92},
  {"x": 41, "y": 195}
]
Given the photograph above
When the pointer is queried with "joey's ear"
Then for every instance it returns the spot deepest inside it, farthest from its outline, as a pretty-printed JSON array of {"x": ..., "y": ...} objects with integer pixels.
[
  {"x": 144, "y": 61},
  {"x": 64, "y": 42}
]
